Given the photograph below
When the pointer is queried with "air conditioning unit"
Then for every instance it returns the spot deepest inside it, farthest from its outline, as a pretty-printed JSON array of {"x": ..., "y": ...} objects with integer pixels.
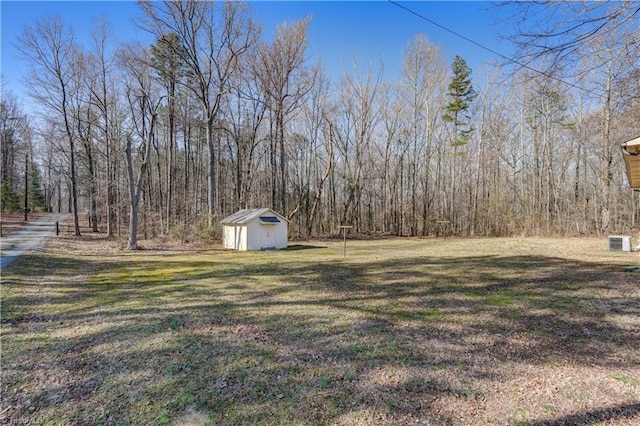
[{"x": 620, "y": 242}]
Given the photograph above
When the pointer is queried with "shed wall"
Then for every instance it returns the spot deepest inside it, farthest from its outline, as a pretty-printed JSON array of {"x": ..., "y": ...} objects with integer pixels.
[
  {"x": 281, "y": 238},
  {"x": 235, "y": 237},
  {"x": 262, "y": 236}
]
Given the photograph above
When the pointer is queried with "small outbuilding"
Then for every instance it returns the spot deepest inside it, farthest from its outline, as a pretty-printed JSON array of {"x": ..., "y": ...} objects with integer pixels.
[
  {"x": 255, "y": 229},
  {"x": 631, "y": 156}
]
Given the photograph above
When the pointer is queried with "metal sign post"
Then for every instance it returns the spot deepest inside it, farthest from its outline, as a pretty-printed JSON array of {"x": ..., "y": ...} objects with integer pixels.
[{"x": 344, "y": 237}]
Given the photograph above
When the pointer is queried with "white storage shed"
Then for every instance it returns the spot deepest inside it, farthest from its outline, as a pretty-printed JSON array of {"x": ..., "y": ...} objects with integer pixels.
[{"x": 255, "y": 229}]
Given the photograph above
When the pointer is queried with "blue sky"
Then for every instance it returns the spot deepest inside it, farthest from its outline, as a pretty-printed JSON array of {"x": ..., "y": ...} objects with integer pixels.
[{"x": 340, "y": 30}]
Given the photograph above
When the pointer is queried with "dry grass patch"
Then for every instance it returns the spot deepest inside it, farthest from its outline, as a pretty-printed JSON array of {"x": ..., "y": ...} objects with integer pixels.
[{"x": 456, "y": 332}]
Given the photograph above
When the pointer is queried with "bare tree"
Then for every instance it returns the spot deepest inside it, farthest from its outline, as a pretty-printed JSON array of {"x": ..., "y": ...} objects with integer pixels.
[
  {"x": 245, "y": 114},
  {"x": 555, "y": 33},
  {"x": 13, "y": 132},
  {"x": 143, "y": 103},
  {"x": 354, "y": 131},
  {"x": 211, "y": 46},
  {"x": 612, "y": 82},
  {"x": 50, "y": 48},
  {"x": 85, "y": 119},
  {"x": 561, "y": 36},
  {"x": 317, "y": 116},
  {"x": 16, "y": 147},
  {"x": 102, "y": 97},
  {"x": 422, "y": 87},
  {"x": 285, "y": 82}
]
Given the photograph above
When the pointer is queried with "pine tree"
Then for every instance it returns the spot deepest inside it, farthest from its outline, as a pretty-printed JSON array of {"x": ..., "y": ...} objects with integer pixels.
[
  {"x": 9, "y": 201},
  {"x": 166, "y": 59},
  {"x": 36, "y": 197},
  {"x": 461, "y": 93}
]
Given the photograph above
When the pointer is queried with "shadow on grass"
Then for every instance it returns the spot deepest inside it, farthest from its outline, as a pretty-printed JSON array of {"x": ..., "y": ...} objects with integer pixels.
[
  {"x": 606, "y": 414},
  {"x": 284, "y": 341},
  {"x": 299, "y": 247}
]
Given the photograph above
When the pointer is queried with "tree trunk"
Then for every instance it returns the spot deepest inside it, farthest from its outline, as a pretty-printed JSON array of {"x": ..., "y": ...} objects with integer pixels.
[
  {"x": 135, "y": 186},
  {"x": 607, "y": 174},
  {"x": 211, "y": 195},
  {"x": 318, "y": 195}
]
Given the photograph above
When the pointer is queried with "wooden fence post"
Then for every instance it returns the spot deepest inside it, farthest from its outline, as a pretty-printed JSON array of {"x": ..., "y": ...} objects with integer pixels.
[{"x": 344, "y": 236}]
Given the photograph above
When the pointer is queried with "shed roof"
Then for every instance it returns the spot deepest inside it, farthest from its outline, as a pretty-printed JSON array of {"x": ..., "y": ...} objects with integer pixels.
[
  {"x": 244, "y": 216},
  {"x": 631, "y": 155}
]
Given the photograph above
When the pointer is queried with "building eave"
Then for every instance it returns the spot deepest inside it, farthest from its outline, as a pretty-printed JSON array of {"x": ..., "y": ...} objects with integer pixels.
[{"x": 631, "y": 156}]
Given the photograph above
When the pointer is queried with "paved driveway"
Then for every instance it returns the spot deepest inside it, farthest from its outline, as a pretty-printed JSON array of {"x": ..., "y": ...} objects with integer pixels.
[{"x": 31, "y": 237}]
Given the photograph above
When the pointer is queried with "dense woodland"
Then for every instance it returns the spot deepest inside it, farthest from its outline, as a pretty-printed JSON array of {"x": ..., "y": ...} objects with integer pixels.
[{"x": 167, "y": 139}]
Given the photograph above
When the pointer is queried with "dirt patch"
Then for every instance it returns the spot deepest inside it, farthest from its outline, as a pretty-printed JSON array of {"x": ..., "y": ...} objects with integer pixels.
[{"x": 192, "y": 418}]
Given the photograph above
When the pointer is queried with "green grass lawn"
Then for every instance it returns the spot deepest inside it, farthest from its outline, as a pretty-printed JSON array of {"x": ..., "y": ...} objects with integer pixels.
[{"x": 401, "y": 331}]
